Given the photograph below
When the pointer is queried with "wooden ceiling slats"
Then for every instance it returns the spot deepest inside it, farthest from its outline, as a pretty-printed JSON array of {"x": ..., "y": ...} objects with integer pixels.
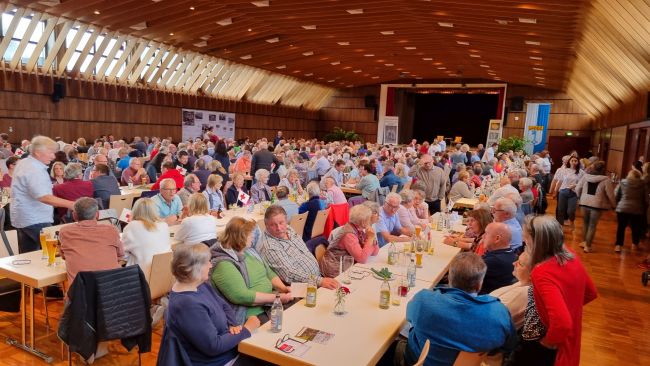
[
  {"x": 110, "y": 56},
  {"x": 59, "y": 41},
  {"x": 11, "y": 29},
  {"x": 23, "y": 43},
  {"x": 145, "y": 59},
  {"x": 85, "y": 51},
  {"x": 111, "y": 77},
  {"x": 49, "y": 28}
]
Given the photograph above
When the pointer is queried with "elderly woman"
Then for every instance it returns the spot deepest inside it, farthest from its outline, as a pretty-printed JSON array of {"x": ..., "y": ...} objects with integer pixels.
[
  {"x": 243, "y": 164},
  {"x": 216, "y": 168},
  {"x": 292, "y": 182},
  {"x": 420, "y": 208},
  {"x": 260, "y": 191},
  {"x": 145, "y": 236},
  {"x": 477, "y": 221},
  {"x": 356, "y": 239},
  {"x": 515, "y": 296},
  {"x": 8, "y": 176},
  {"x": 57, "y": 173},
  {"x": 214, "y": 195},
  {"x": 632, "y": 197},
  {"x": 241, "y": 276},
  {"x": 199, "y": 225},
  {"x": 334, "y": 193},
  {"x": 201, "y": 171},
  {"x": 407, "y": 217},
  {"x": 203, "y": 323},
  {"x": 311, "y": 206},
  {"x": 402, "y": 172},
  {"x": 463, "y": 188},
  {"x": 135, "y": 173},
  {"x": 237, "y": 187},
  {"x": 527, "y": 196}
]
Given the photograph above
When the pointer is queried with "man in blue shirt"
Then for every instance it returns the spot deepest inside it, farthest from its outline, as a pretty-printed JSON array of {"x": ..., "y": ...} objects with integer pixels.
[
  {"x": 390, "y": 179},
  {"x": 322, "y": 164},
  {"x": 388, "y": 228},
  {"x": 505, "y": 211},
  {"x": 167, "y": 202}
]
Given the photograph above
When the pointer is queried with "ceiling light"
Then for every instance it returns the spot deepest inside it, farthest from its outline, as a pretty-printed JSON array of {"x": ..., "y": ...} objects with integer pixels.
[
  {"x": 446, "y": 25},
  {"x": 375, "y": 77},
  {"x": 310, "y": 74},
  {"x": 528, "y": 20},
  {"x": 273, "y": 40},
  {"x": 533, "y": 43},
  {"x": 139, "y": 26},
  {"x": 331, "y": 81},
  {"x": 410, "y": 48},
  {"x": 487, "y": 66},
  {"x": 308, "y": 53},
  {"x": 356, "y": 71},
  {"x": 171, "y": 34},
  {"x": 50, "y": 2},
  {"x": 201, "y": 44},
  {"x": 206, "y": 37},
  {"x": 261, "y": 4},
  {"x": 281, "y": 67},
  {"x": 387, "y": 33},
  {"x": 343, "y": 43},
  {"x": 389, "y": 65},
  {"x": 502, "y": 22},
  {"x": 540, "y": 77},
  {"x": 308, "y": 27},
  {"x": 96, "y": 12},
  {"x": 369, "y": 55},
  {"x": 246, "y": 57},
  {"x": 475, "y": 55},
  {"x": 442, "y": 68},
  {"x": 427, "y": 59},
  {"x": 250, "y": 30},
  {"x": 355, "y": 11},
  {"x": 335, "y": 63},
  {"x": 224, "y": 22},
  {"x": 535, "y": 58},
  {"x": 192, "y": 8},
  {"x": 538, "y": 69},
  {"x": 463, "y": 43}
]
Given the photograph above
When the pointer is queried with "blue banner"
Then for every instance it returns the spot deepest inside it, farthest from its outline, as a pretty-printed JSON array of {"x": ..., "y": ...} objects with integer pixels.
[{"x": 536, "y": 126}]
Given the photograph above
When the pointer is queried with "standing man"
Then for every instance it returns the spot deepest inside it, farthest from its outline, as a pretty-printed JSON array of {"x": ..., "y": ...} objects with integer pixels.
[
  {"x": 263, "y": 159},
  {"x": 277, "y": 138},
  {"x": 322, "y": 164},
  {"x": 32, "y": 201},
  {"x": 434, "y": 180}
]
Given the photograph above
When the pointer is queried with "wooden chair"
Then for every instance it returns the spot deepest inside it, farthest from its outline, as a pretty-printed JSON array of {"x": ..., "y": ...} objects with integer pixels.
[
  {"x": 160, "y": 277},
  {"x": 423, "y": 354},
  {"x": 298, "y": 223},
  {"x": 319, "y": 223},
  {"x": 319, "y": 252},
  {"x": 119, "y": 202},
  {"x": 469, "y": 359},
  {"x": 261, "y": 225},
  {"x": 393, "y": 189}
]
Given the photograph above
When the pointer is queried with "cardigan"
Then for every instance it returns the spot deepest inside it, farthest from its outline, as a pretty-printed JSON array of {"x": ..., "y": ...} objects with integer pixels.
[{"x": 140, "y": 244}]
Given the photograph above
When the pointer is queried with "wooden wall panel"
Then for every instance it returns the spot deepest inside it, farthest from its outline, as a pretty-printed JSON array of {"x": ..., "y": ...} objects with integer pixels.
[{"x": 346, "y": 109}]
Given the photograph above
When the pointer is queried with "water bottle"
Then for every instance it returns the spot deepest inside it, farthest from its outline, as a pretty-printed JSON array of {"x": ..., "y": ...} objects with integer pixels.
[
  {"x": 441, "y": 221},
  {"x": 410, "y": 274},
  {"x": 276, "y": 315},
  {"x": 251, "y": 207}
]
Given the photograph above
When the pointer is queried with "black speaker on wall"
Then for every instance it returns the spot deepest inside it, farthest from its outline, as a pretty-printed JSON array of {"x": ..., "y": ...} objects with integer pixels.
[
  {"x": 58, "y": 91},
  {"x": 517, "y": 104},
  {"x": 648, "y": 107},
  {"x": 505, "y": 116},
  {"x": 370, "y": 101}
]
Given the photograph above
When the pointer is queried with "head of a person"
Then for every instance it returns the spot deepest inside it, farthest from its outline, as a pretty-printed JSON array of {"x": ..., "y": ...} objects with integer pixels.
[
  {"x": 145, "y": 211},
  {"x": 238, "y": 234},
  {"x": 214, "y": 182},
  {"x": 191, "y": 263},
  {"x": 504, "y": 209},
  {"x": 281, "y": 192},
  {"x": 313, "y": 189},
  {"x": 366, "y": 169},
  {"x": 11, "y": 162},
  {"x": 522, "y": 268},
  {"x": 168, "y": 189},
  {"x": 135, "y": 164},
  {"x": 392, "y": 204},
  {"x": 419, "y": 196},
  {"x": 598, "y": 168},
  {"x": 167, "y": 165},
  {"x": 58, "y": 170},
  {"x": 573, "y": 162},
  {"x": 43, "y": 148},
  {"x": 329, "y": 182},
  {"x": 544, "y": 239},
  {"x": 504, "y": 181},
  {"x": 340, "y": 165},
  {"x": 478, "y": 220},
  {"x": 275, "y": 220},
  {"x": 463, "y": 176},
  {"x": 466, "y": 272},
  {"x": 183, "y": 157},
  {"x": 633, "y": 174},
  {"x": 426, "y": 162},
  {"x": 85, "y": 208},
  {"x": 360, "y": 216},
  {"x": 293, "y": 176},
  {"x": 497, "y": 236},
  {"x": 192, "y": 183},
  {"x": 407, "y": 196},
  {"x": 73, "y": 171},
  {"x": 525, "y": 184},
  {"x": 238, "y": 180},
  {"x": 262, "y": 175},
  {"x": 197, "y": 204},
  {"x": 99, "y": 170},
  {"x": 374, "y": 211}
]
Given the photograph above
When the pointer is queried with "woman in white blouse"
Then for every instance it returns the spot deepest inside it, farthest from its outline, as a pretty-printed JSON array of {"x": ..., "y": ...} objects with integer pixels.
[
  {"x": 515, "y": 296},
  {"x": 420, "y": 208},
  {"x": 199, "y": 225},
  {"x": 145, "y": 236},
  {"x": 213, "y": 193}
]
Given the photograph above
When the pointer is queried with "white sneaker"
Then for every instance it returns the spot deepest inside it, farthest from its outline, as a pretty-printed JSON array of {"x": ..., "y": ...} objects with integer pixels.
[
  {"x": 618, "y": 248},
  {"x": 583, "y": 244}
]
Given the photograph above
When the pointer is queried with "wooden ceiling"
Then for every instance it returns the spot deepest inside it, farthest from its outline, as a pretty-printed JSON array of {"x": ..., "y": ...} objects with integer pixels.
[{"x": 340, "y": 43}]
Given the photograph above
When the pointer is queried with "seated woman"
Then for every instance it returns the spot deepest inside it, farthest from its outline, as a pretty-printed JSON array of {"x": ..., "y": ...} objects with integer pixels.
[
  {"x": 401, "y": 172},
  {"x": 8, "y": 176},
  {"x": 214, "y": 195},
  {"x": 241, "y": 276},
  {"x": 356, "y": 239},
  {"x": 260, "y": 191},
  {"x": 201, "y": 171},
  {"x": 515, "y": 296},
  {"x": 477, "y": 221},
  {"x": 527, "y": 196},
  {"x": 334, "y": 193},
  {"x": 463, "y": 188},
  {"x": 420, "y": 208},
  {"x": 218, "y": 169},
  {"x": 292, "y": 182},
  {"x": 145, "y": 236},
  {"x": 203, "y": 323},
  {"x": 406, "y": 214},
  {"x": 311, "y": 206},
  {"x": 237, "y": 187},
  {"x": 199, "y": 225}
]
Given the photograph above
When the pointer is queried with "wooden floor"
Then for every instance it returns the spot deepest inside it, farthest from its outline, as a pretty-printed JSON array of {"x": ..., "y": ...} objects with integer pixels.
[{"x": 616, "y": 327}]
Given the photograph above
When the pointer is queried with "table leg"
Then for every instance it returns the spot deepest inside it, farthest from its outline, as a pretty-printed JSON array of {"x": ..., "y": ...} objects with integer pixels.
[
  {"x": 23, "y": 345},
  {"x": 24, "y": 311},
  {"x": 31, "y": 317}
]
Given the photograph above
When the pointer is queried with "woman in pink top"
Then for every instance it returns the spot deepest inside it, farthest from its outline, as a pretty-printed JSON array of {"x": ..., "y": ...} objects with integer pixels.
[
  {"x": 334, "y": 192},
  {"x": 406, "y": 212},
  {"x": 356, "y": 239},
  {"x": 7, "y": 177}
]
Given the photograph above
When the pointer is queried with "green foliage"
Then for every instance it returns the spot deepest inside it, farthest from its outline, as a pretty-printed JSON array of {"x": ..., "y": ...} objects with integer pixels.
[
  {"x": 340, "y": 134},
  {"x": 513, "y": 143}
]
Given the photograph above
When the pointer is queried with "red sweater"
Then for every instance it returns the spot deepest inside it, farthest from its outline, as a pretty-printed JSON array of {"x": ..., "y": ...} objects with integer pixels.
[
  {"x": 560, "y": 293},
  {"x": 170, "y": 173}
]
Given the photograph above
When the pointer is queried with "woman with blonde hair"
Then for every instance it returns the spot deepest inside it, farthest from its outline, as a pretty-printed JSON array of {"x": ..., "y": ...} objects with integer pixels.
[
  {"x": 400, "y": 171},
  {"x": 214, "y": 195},
  {"x": 241, "y": 276},
  {"x": 463, "y": 188},
  {"x": 216, "y": 168},
  {"x": 145, "y": 236},
  {"x": 234, "y": 191},
  {"x": 292, "y": 182},
  {"x": 57, "y": 173},
  {"x": 199, "y": 225}
]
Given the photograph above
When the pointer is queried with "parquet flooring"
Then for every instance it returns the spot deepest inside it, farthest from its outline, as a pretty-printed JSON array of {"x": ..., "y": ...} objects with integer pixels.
[{"x": 616, "y": 326}]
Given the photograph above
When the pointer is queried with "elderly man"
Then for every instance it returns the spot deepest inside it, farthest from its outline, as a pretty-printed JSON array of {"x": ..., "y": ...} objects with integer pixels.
[
  {"x": 168, "y": 203},
  {"x": 263, "y": 159},
  {"x": 286, "y": 253},
  {"x": 336, "y": 173},
  {"x": 74, "y": 186},
  {"x": 322, "y": 164},
  {"x": 191, "y": 184},
  {"x": 390, "y": 179},
  {"x": 505, "y": 188},
  {"x": 505, "y": 211},
  {"x": 168, "y": 171},
  {"x": 434, "y": 180},
  {"x": 499, "y": 257},
  {"x": 104, "y": 185},
  {"x": 100, "y": 159},
  {"x": 369, "y": 182},
  {"x": 388, "y": 228},
  {"x": 135, "y": 173},
  {"x": 290, "y": 207},
  {"x": 451, "y": 317},
  {"x": 277, "y": 139},
  {"x": 32, "y": 199}
]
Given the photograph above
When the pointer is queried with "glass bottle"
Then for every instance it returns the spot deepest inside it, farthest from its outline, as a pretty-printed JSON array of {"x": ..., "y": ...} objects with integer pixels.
[
  {"x": 310, "y": 298},
  {"x": 410, "y": 273},
  {"x": 276, "y": 315},
  {"x": 384, "y": 295}
]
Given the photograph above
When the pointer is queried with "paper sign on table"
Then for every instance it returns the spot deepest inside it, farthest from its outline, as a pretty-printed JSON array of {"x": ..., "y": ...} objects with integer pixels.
[
  {"x": 299, "y": 289},
  {"x": 126, "y": 215},
  {"x": 314, "y": 335}
]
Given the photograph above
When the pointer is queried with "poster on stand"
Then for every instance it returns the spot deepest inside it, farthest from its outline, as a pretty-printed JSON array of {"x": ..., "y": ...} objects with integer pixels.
[
  {"x": 495, "y": 131},
  {"x": 391, "y": 124},
  {"x": 197, "y": 122}
]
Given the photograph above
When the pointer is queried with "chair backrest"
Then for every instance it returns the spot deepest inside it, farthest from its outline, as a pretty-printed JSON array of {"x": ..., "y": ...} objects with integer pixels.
[
  {"x": 469, "y": 359},
  {"x": 423, "y": 354},
  {"x": 298, "y": 223},
  {"x": 319, "y": 223},
  {"x": 7, "y": 246},
  {"x": 393, "y": 188},
  {"x": 160, "y": 276},
  {"x": 10, "y": 244},
  {"x": 119, "y": 202},
  {"x": 319, "y": 252},
  {"x": 149, "y": 194},
  {"x": 262, "y": 226}
]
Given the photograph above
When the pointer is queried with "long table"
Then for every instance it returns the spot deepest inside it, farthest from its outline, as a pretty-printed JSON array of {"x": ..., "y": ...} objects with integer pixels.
[{"x": 361, "y": 336}]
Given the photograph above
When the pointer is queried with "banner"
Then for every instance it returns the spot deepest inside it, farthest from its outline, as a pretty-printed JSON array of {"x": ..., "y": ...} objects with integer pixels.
[
  {"x": 196, "y": 123},
  {"x": 536, "y": 126},
  {"x": 391, "y": 124},
  {"x": 494, "y": 132}
]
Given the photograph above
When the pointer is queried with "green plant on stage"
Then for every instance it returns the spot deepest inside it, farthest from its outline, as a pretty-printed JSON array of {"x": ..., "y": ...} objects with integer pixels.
[
  {"x": 513, "y": 143},
  {"x": 340, "y": 134}
]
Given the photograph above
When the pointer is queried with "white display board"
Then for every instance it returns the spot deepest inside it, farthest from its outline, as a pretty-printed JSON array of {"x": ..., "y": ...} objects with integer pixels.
[
  {"x": 391, "y": 124},
  {"x": 495, "y": 130},
  {"x": 197, "y": 122}
]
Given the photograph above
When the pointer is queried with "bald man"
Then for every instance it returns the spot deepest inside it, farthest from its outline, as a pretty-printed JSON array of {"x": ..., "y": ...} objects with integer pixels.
[{"x": 499, "y": 257}]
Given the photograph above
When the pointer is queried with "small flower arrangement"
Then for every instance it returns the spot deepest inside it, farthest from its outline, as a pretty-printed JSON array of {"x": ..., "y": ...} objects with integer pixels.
[{"x": 341, "y": 293}]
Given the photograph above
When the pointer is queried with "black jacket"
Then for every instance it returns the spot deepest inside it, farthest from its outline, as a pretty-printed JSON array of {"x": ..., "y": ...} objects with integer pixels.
[{"x": 105, "y": 305}]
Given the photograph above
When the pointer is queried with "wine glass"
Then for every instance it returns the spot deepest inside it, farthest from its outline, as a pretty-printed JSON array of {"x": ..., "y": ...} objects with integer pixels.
[{"x": 348, "y": 263}]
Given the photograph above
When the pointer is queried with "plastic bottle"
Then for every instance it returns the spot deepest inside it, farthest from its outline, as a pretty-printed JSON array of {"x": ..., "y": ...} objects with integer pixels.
[
  {"x": 441, "y": 221},
  {"x": 410, "y": 273},
  {"x": 310, "y": 299},
  {"x": 384, "y": 295},
  {"x": 276, "y": 315},
  {"x": 392, "y": 254}
]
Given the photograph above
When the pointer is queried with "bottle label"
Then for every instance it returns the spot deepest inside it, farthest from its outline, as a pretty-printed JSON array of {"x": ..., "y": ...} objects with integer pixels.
[
  {"x": 384, "y": 299},
  {"x": 311, "y": 297}
]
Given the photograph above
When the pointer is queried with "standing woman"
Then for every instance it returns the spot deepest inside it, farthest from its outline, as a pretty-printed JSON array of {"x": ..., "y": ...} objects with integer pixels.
[
  {"x": 561, "y": 287},
  {"x": 596, "y": 194},
  {"x": 567, "y": 200},
  {"x": 632, "y": 197}
]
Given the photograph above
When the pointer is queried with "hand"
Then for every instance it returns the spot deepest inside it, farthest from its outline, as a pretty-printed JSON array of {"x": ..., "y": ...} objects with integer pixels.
[
  {"x": 252, "y": 323},
  {"x": 234, "y": 329},
  {"x": 329, "y": 283},
  {"x": 547, "y": 345},
  {"x": 449, "y": 240},
  {"x": 285, "y": 298}
]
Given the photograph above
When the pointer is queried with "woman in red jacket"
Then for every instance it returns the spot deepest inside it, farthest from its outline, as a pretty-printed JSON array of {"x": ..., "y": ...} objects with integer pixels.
[{"x": 561, "y": 287}]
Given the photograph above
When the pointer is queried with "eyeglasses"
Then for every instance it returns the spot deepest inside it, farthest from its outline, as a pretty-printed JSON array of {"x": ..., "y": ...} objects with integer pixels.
[
  {"x": 168, "y": 189},
  {"x": 393, "y": 207}
]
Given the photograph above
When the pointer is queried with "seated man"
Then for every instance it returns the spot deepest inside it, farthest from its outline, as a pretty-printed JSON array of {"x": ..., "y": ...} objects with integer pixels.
[
  {"x": 286, "y": 253},
  {"x": 104, "y": 185},
  {"x": 290, "y": 207},
  {"x": 388, "y": 228},
  {"x": 505, "y": 188},
  {"x": 168, "y": 171},
  {"x": 456, "y": 318},
  {"x": 168, "y": 203},
  {"x": 74, "y": 186},
  {"x": 191, "y": 184},
  {"x": 499, "y": 257},
  {"x": 135, "y": 173},
  {"x": 505, "y": 211},
  {"x": 390, "y": 179}
]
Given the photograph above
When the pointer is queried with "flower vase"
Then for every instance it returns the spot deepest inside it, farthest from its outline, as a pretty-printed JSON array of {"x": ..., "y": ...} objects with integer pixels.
[{"x": 339, "y": 308}]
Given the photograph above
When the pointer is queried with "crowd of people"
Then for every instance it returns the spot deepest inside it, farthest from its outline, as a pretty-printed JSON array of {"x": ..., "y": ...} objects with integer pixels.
[{"x": 513, "y": 275}]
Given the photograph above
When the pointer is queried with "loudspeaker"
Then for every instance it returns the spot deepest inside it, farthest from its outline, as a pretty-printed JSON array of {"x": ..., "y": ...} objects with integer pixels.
[
  {"x": 517, "y": 104},
  {"x": 648, "y": 107},
  {"x": 370, "y": 101},
  {"x": 505, "y": 116},
  {"x": 58, "y": 91}
]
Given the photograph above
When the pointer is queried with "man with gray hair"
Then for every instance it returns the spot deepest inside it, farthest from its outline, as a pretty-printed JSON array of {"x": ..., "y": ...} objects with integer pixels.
[
  {"x": 322, "y": 164},
  {"x": 434, "y": 315},
  {"x": 74, "y": 186},
  {"x": 168, "y": 203},
  {"x": 388, "y": 228},
  {"x": 505, "y": 211},
  {"x": 263, "y": 159},
  {"x": 32, "y": 199},
  {"x": 434, "y": 180}
]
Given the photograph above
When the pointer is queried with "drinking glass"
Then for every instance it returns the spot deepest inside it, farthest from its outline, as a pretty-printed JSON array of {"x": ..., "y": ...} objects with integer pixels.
[
  {"x": 51, "y": 250},
  {"x": 348, "y": 263},
  {"x": 43, "y": 236}
]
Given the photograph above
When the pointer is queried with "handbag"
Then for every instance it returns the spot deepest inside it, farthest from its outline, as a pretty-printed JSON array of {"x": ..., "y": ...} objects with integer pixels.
[{"x": 533, "y": 328}]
